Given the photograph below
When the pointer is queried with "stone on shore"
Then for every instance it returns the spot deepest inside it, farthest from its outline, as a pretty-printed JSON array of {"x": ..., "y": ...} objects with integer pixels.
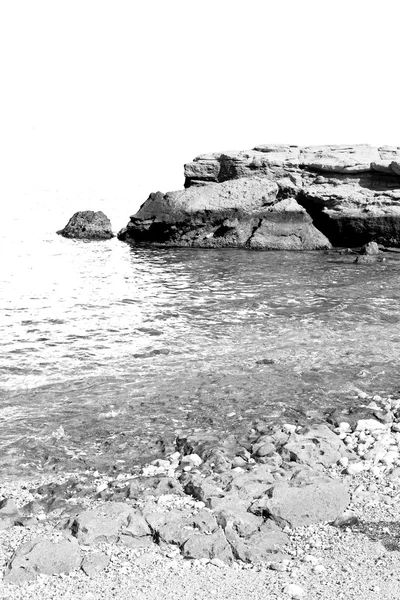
[
  {"x": 94, "y": 563},
  {"x": 9, "y": 513},
  {"x": 264, "y": 544},
  {"x": 214, "y": 545},
  {"x": 156, "y": 486},
  {"x": 317, "y": 445},
  {"x": 36, "y": 557},
  {"x": 88, "y": 225},
  {"x": 102, "y": 524},
  {"x": 178, "y": 526},
  {"x": 317, "y": 500}
]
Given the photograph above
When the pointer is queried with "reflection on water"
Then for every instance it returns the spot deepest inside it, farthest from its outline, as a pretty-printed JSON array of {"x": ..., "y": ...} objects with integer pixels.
[{"x": 125, "y": 346}]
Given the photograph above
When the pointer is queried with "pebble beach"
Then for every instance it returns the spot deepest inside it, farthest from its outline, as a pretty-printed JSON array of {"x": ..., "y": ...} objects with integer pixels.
[{"x": 92, "y": 552}]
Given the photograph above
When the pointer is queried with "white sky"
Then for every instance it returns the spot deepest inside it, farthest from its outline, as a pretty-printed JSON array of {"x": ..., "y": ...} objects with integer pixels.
[{"x": 112, "y": 97}]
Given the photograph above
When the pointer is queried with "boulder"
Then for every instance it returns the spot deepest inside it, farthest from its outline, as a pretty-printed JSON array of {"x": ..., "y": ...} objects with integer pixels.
[
  {"x": 88, "y": 225},
  {"x": 240, "y": 521},
  {"x": 317, "y": 445},
  {"x": 103, "y": 523},
  {"x": 142, "y": 487},
  {"x": 177, "y": 526},
  {"x": 279, "y": 197},
  {"x": 209, "y": 546},
  {"x": 303, "y": 502},
  {"x": 36, "y": 557},
  {"x": 265, "y": 544},
  {"x": 252, "y": 484},
  {"x": 9, "y": 513}
]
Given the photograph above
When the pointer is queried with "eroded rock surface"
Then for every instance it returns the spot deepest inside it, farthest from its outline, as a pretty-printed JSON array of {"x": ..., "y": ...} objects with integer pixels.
[{"x": 279, "y": 197}]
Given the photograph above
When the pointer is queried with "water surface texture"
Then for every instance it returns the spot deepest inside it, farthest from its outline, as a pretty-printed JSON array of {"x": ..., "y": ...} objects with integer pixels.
[{"x": 109, "y": 350}]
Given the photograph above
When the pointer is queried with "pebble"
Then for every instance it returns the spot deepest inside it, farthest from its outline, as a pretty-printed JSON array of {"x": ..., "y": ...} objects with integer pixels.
[
  {"x": 355, "y": 468},
  {"x": 293, "y": 590},
  {"x": 319, "y": 569},
  {"x": 369, "y": 424},
  {"x": 288, "y": 428},
  {"x": 217, "y": 563}
]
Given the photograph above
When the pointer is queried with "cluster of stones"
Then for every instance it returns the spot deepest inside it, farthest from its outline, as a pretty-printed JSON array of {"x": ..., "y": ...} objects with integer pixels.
[
  {"x": 209, "y": 501},
  {"x": 376, "y": 442},
  {"x": 278, "y": 197}
]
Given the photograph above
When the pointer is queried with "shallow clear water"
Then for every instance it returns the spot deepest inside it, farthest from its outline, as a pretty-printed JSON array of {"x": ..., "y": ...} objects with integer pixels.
[{"x": 123, "y": 347}]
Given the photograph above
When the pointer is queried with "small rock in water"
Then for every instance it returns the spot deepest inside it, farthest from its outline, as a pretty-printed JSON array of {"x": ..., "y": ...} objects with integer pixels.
[
  {"x": 88, "y": 225},
  {"x": 371, "y": 248}
]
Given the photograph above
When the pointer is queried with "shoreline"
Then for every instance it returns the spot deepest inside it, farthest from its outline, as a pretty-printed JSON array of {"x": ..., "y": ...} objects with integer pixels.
[{"x": 310, "y": 554}]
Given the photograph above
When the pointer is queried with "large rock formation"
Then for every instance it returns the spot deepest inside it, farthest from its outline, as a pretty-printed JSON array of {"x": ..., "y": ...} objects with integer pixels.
[{"x": 279, "y": 197}]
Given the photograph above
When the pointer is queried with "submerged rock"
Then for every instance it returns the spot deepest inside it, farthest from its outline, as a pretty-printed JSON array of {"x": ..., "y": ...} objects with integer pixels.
[
  {"x": 88, "y": 225},
  {"x": 279, "y": 197}
]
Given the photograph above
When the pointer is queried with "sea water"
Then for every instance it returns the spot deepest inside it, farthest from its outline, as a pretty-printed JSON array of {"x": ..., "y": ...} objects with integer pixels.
[{"x": 108, "y": 350}]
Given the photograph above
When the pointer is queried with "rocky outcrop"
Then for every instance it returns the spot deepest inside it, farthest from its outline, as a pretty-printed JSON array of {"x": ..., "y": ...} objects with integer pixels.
[
  {"x": 279, "y": 197},
  {"x": 88, "y": 225},
  {"x": 244, "y": 213}
]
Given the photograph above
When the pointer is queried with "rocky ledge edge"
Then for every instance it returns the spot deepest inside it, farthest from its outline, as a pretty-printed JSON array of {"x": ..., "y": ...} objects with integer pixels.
[
  {"x": 278, "y": 197},
  {"x": 251, "y": 505}
]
